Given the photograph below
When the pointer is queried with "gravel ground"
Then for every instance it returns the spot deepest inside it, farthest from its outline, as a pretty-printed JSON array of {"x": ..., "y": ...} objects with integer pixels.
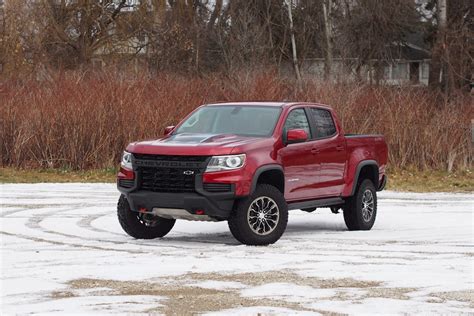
[{"x": 63, "y": 251}]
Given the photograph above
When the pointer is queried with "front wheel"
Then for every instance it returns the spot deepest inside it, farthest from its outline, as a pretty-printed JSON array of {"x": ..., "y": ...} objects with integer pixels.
[
  {"x": 261, "y": 218},
  {"x": 361, "y": 209},
  {"x": 142, "y": 225}
]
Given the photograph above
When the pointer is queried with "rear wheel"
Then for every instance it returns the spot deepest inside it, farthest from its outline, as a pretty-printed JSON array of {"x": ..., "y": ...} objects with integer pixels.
[
  {"x": 361, "y": 209},
  {"x": 142, "y": 225},
  {"x": 261, "y": 218}
]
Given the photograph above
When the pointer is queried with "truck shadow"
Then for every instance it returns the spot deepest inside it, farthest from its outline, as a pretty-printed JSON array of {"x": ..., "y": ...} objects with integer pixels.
[
  {"x": 199, "y": 238},
  {"x": 316, "y": 227},
  {"x": 226, "y": 238}
]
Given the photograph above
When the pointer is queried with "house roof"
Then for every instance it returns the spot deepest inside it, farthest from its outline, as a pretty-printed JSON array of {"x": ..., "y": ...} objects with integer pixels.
[
  {"x": 412, "y": 47},
  {"x": 409, "y": 52}
]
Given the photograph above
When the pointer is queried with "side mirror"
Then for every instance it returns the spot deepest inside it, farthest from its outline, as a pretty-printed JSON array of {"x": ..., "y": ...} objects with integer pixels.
[
  {"x": 296, "y": 136},
  {"x": 168, "y": 130}
]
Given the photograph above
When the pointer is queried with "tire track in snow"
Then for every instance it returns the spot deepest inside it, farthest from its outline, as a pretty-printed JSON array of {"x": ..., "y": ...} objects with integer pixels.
[
  {"x": 60, "y": 243},
  {"x": 328, "y": 246},
  {"x": 34, "y": 222},
  {"x": 86, "y": 223}
]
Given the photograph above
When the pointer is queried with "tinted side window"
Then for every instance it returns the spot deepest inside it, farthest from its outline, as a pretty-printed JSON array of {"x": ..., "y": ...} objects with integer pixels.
[
  {"x": 297, "y": 119},
  {"x": 324, "y": 123}
]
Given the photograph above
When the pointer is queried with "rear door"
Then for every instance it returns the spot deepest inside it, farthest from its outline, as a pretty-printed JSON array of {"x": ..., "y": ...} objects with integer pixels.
[
  {"x": 329, "y": 150},
  {"x": 298, "y": 162}
]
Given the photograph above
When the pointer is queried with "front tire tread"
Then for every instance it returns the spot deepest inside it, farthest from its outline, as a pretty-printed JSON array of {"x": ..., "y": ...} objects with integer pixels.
[
  {"x": 238, "y": 223},
  {"x": 132, "y": 226}
]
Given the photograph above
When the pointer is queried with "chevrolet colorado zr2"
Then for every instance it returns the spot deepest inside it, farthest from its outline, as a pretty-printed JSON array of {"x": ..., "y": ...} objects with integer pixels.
[{"x": 248, "y": 163}]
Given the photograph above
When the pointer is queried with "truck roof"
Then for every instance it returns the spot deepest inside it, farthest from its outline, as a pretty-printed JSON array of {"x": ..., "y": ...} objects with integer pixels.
[{"x": 267, "y": 103}]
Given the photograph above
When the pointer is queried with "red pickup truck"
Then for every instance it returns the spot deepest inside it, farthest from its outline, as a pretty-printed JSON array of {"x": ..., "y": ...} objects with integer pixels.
[{"x": 249, "y": 163}]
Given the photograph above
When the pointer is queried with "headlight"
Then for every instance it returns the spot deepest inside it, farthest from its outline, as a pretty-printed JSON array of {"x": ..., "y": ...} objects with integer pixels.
[
  {"x": 221, "y": 163},
  {"x": 127, "y": 160}
]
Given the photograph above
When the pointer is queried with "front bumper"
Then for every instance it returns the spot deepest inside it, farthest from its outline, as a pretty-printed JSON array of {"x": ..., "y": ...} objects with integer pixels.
[{"x": 215, "y": 205}]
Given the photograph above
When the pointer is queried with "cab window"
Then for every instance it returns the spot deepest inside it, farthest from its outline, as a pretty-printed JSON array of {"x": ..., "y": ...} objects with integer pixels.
[
  {"x": 323, "y": 122},
  {"x": 297, "y": 120}
]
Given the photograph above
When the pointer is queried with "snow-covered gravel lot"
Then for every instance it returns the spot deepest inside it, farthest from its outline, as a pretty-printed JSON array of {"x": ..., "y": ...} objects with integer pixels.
[{"x": 64, "y": 252}]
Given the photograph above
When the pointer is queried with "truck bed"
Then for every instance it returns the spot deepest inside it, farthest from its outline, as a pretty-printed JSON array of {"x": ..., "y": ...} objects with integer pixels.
[{"x": 361, "y": 147}]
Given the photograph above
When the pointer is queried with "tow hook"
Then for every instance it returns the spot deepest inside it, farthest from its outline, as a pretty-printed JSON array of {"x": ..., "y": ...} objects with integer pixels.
[{"x": 335, "y": 209}]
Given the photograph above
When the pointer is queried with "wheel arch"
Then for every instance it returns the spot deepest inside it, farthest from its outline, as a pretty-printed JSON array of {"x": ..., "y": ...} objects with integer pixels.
[
  {"x": 269, "y": 174},
  {"x": 367, "y": 169}
]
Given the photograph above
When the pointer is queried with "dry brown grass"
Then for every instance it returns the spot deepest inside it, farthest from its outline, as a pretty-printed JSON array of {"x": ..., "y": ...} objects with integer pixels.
[{"x": 82, "y": 121}]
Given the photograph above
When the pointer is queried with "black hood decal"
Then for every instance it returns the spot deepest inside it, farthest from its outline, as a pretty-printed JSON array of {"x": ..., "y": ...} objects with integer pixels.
[{"x": 187, "y": 138}]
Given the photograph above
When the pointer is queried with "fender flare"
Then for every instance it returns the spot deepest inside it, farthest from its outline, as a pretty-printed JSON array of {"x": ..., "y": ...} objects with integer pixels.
[
  {"x": 361, "y": 165},
  {"x": 261, "y": 170}
]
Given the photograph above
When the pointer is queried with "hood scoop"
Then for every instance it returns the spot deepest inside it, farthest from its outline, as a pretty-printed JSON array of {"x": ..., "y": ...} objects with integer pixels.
[
  {"x": 218, "y": 137},
  {"x": 196, "y": 138}
]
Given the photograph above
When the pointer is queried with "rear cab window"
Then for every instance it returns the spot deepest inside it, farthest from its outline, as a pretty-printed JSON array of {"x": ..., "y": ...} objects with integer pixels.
[{"x": 323, "y": 123}]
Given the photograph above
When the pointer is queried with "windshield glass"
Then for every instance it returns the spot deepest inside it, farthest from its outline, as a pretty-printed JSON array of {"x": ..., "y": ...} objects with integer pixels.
[{"x": 238, "y": 120}]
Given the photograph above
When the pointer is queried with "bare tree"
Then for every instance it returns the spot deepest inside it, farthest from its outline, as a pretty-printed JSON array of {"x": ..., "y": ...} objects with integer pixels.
[
  {"x": 452, "y": 50},
  {"x": 327, "y": 5},
  {"x": 371, "y": 29},
  {"x": 289, "y": 4},
  {"x": 73, "y": 31},
  {"x": 198, "y": 36},
  {"x": 18, "y": 38},
  {"x": 439, "y": 47}
]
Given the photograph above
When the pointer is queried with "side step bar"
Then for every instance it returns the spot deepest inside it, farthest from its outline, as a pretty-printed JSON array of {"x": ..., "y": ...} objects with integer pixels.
[{"x": 315, "y": 203}]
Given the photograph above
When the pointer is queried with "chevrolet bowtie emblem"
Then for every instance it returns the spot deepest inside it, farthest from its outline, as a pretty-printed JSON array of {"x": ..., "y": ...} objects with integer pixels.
[{"x": 188, "y": 172}]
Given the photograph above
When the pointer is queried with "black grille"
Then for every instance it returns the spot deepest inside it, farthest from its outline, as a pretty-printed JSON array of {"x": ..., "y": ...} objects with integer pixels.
[
  {"x": 217, "y": 187},
  {"x": 125, "y": 183},
  {"x": 163, "y": 173}
]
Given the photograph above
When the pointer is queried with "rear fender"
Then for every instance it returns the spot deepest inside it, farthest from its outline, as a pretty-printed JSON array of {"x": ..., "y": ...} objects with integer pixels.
[{"x": 360, "y": 166}]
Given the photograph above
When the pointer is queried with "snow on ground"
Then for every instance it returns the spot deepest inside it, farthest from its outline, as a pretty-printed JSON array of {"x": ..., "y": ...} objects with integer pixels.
[{"x": 63, "y": 251}]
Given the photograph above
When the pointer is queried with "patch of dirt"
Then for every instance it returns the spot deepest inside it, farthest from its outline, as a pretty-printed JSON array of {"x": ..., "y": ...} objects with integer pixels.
[
  {"x": 181, "y": 299},
  {"x": 62, "y": 294},
  {"x": 397, "y": 293},
  {"x": 460, "y": 296},
  {"x": 284, "y": 277}
]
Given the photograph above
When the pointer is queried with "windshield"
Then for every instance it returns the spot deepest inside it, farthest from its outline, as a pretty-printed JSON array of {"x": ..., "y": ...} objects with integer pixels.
[{"x": 238, "y": 120}]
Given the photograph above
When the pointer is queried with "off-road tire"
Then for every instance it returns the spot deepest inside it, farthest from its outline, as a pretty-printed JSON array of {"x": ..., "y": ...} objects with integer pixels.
[
  {"x": 240, "y": 225},
  {"x": 131, "y": 224},
  {"x": 353, "y": 208}
]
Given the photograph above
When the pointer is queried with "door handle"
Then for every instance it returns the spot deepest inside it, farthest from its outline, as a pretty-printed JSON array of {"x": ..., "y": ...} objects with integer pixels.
[
  {"x": 314, "y": 150},
  {"x": 340, "y": 148}
]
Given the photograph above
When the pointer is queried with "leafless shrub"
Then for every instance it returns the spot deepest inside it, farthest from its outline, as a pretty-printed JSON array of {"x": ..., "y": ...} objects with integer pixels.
[{"x": 76, "y": 121}]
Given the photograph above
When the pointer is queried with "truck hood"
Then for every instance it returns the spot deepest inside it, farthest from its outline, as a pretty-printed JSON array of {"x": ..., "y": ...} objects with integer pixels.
[{"x": 192, "y": 144}]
